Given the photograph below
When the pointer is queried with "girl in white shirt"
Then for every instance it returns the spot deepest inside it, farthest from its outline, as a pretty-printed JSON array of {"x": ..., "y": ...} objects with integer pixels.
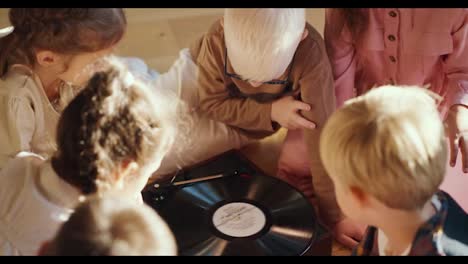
[
  {"x": 110, "y": 138},
  {"x": 46, "y": 53}
]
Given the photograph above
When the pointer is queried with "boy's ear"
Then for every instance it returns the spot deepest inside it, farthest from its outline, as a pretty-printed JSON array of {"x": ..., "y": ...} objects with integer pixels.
[
  {"x": 359, "y": 195},
  {"x": 222, "y": 22}
]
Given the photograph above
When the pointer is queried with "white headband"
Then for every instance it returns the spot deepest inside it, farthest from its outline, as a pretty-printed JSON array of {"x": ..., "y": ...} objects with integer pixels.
[{"x": 6, "y": 31}]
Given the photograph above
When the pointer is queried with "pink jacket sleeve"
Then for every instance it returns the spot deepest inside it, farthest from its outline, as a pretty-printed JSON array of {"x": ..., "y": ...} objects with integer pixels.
[{"x": 456, "y": 64}]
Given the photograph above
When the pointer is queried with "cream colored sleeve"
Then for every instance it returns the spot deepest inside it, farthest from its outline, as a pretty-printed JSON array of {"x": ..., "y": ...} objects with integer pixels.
[{"x": 17, "y": 124}]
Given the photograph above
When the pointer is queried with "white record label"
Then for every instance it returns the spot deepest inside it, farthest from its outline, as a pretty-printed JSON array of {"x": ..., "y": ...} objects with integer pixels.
[{"x": 239, "y": 219}]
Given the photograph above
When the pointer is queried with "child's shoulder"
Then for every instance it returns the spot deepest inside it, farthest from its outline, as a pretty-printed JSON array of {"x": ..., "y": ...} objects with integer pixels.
[
  {"x": 311, "y": 50},
  {"x": 216, "y": 29},
  {"x": 17, "y": 84},
  {"x": 454, "y": 240},
  {"x": 215, "y": 32},
  {"x": 313, "y": 33},
  {"x": 213, "y": 39},
  {"x": 314, "y": 39},
  {"x": 215, "y": 35}
]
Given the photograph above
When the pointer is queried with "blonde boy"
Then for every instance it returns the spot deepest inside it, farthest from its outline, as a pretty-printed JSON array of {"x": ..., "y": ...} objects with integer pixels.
[{"x": 386, "y": 154}]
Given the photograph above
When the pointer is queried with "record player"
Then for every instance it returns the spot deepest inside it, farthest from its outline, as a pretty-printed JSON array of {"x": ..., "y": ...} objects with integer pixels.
[{"x": 227, "y": 206}]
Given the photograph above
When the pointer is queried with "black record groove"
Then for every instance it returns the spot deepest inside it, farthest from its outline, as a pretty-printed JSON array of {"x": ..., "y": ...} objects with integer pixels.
[{"x": 280, "y": 220}]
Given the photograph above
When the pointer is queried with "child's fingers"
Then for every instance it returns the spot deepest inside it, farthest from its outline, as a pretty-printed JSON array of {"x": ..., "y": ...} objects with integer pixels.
[
  {"x": 347, "y": 241},
  {"x": 290, "y": 126},
  {"x": 358, "y": 233},
  {"x": 453, "y": 144},
  {"x": 298, "y": 105},
  {"x": 464, "y": 152},
  {"x": 301, "y": 121}
]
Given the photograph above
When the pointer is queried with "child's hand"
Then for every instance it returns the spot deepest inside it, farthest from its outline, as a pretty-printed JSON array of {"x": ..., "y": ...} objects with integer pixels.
[
  {"x": 457, "y": 131},
  {"x": 285, "y": 112},
  {"x": 348, "y": 233}
]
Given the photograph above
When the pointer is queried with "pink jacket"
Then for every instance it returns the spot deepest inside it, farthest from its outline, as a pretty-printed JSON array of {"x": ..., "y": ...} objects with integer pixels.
[{"x": 404, "y": 46}]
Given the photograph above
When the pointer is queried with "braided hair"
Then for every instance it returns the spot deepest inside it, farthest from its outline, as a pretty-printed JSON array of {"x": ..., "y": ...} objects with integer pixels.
[
  {"x": 62, "y": 30},
  {"x": 114, "y": 119}
]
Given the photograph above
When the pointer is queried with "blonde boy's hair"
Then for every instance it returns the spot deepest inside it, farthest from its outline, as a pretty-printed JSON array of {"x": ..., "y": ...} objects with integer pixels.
[
  {"x": 261, "y": 42},
  {"x": 390, "y": 143},
  {"x": 113, "y": 226}
]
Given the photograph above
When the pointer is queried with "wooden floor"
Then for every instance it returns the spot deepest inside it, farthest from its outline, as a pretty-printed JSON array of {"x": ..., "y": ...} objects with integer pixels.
[{"x": 157, "y": 35}]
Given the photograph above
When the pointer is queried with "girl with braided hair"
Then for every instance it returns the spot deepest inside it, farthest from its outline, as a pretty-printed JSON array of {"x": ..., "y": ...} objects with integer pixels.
[
  {"x": 44, "y": 57},
  {"x": 111, "y": 137}
]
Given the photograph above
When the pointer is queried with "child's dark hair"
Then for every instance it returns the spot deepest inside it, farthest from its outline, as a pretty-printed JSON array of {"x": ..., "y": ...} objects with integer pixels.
[
  {"x": 353, "y": 19},
  {"x": 62, "y": 30},
  {"x": 114, "y": 119}
]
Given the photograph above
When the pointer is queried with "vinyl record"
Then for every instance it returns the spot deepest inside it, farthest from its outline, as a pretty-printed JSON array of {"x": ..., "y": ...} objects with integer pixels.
[{"x": 239, "y": 215}]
